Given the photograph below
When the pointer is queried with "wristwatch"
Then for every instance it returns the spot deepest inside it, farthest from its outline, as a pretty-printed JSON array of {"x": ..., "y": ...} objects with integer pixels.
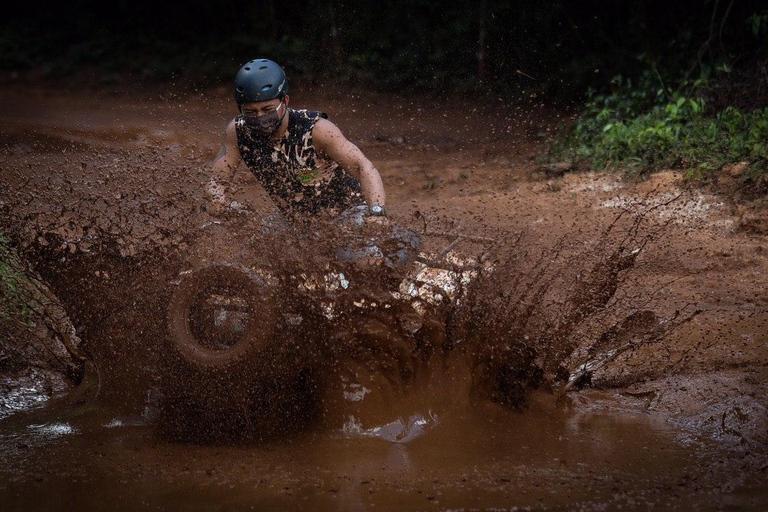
[{"x": 377, "y": 211}]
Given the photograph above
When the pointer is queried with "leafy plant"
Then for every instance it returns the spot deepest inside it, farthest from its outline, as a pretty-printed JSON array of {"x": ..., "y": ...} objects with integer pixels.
[
  {"x": 14, "y": 286},
  {"x": 758, "y": 23},
  {"x": 642, "y": 127}
]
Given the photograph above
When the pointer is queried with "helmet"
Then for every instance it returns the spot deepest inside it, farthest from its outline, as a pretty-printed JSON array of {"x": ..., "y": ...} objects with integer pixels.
[{"x": 260, "y": 80}]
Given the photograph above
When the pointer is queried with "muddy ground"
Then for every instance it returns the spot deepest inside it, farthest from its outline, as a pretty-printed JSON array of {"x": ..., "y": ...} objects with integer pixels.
[{"x": 104, "y": 193}]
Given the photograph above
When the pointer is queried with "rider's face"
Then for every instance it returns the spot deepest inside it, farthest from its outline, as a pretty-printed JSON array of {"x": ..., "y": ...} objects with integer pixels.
[
  {"x": 260, "y": 108},
  {"x": 265, "y": 117}
]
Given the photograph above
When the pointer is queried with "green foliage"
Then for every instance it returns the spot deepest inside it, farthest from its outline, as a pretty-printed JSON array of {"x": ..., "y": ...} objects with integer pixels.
[
  {"x": 16, "y": 290},
  {"x": 643, "y": 127},
  {"x": 556, "y": 48},
  {"x": 758, "y": 23}
]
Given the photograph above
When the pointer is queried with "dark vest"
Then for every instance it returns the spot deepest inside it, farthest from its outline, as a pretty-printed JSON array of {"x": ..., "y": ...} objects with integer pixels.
[{"x": 292, "y": 172}]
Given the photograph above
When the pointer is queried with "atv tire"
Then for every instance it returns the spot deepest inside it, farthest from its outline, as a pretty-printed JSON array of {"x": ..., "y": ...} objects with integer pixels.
[{"x": 210, "y": 292}]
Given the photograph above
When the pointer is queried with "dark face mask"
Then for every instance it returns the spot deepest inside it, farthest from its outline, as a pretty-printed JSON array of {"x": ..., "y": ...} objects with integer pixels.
[{"x": 267, "y": 124}]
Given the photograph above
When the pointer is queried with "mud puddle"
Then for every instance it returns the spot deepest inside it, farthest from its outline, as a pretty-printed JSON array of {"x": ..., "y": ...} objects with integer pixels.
[{"x": 472, "y": 458}]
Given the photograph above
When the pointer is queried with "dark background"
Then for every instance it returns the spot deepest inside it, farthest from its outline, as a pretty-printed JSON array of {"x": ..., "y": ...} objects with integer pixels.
[{"x": 557, "y": 48}]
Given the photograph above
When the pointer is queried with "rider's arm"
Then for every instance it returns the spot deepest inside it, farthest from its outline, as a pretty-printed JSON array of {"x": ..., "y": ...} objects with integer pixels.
[
  {"x": 223, "y": 169},
  {"x": 331, "y": 142}
]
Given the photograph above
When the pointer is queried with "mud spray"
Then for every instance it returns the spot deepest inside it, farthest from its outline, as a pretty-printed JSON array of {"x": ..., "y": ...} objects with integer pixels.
[{"x": 344, "y": 366}]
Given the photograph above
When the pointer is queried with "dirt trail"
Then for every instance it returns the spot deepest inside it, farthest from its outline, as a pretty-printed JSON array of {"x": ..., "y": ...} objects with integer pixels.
[{"x": 109, "y": 190}]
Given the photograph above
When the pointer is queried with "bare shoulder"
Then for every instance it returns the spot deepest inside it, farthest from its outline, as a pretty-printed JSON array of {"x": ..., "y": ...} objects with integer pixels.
[{"x": 325, "y": 131}]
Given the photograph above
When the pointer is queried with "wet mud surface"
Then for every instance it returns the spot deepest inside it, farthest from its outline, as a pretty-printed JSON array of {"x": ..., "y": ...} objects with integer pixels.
[
  {"x": 470, "y": 459},
  {"x": 615, "y": 355}
]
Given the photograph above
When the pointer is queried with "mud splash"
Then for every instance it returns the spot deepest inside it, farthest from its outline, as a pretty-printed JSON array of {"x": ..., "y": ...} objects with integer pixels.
[{"x": 526, "y": 316}]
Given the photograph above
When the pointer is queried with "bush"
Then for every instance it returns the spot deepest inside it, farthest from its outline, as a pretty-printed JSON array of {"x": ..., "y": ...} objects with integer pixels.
[
  {"x": 641, "y": 128},
  {"x": 15, "y": 294}
]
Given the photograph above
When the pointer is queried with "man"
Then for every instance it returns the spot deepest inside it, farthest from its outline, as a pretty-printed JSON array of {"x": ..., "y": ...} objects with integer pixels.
[{"x": 302, "y": 160}]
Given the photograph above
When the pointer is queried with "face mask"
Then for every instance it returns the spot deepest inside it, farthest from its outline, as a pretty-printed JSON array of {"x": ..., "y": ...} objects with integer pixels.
[{"x": 267, "y": 124}]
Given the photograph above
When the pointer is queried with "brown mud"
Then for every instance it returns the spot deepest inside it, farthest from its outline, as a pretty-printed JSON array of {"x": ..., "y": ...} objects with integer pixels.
[{"x": 638, "y": 311}]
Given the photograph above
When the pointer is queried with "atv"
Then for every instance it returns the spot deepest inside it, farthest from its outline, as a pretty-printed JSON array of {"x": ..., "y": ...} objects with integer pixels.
[{"x": 247, "y": 333}]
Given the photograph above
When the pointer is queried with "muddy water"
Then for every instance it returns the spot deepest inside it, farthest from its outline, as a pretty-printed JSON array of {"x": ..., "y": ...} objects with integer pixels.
[{"x": 469, "y": 458}]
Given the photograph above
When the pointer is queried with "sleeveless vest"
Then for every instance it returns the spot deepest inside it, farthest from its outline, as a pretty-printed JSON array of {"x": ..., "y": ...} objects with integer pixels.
[{"x": 296, "y": 178}]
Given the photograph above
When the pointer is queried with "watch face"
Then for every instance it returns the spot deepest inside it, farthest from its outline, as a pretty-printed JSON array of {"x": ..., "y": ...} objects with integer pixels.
[{"x": 376, "y": 209}]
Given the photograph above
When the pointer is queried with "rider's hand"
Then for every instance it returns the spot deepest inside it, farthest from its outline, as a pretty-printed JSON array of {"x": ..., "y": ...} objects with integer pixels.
[
  {"x": 373, "y": 220},
  {"x": 216, "y": 208},
  {"x": 220, "y": 209},
  {"x": 376, "y": 226}
]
